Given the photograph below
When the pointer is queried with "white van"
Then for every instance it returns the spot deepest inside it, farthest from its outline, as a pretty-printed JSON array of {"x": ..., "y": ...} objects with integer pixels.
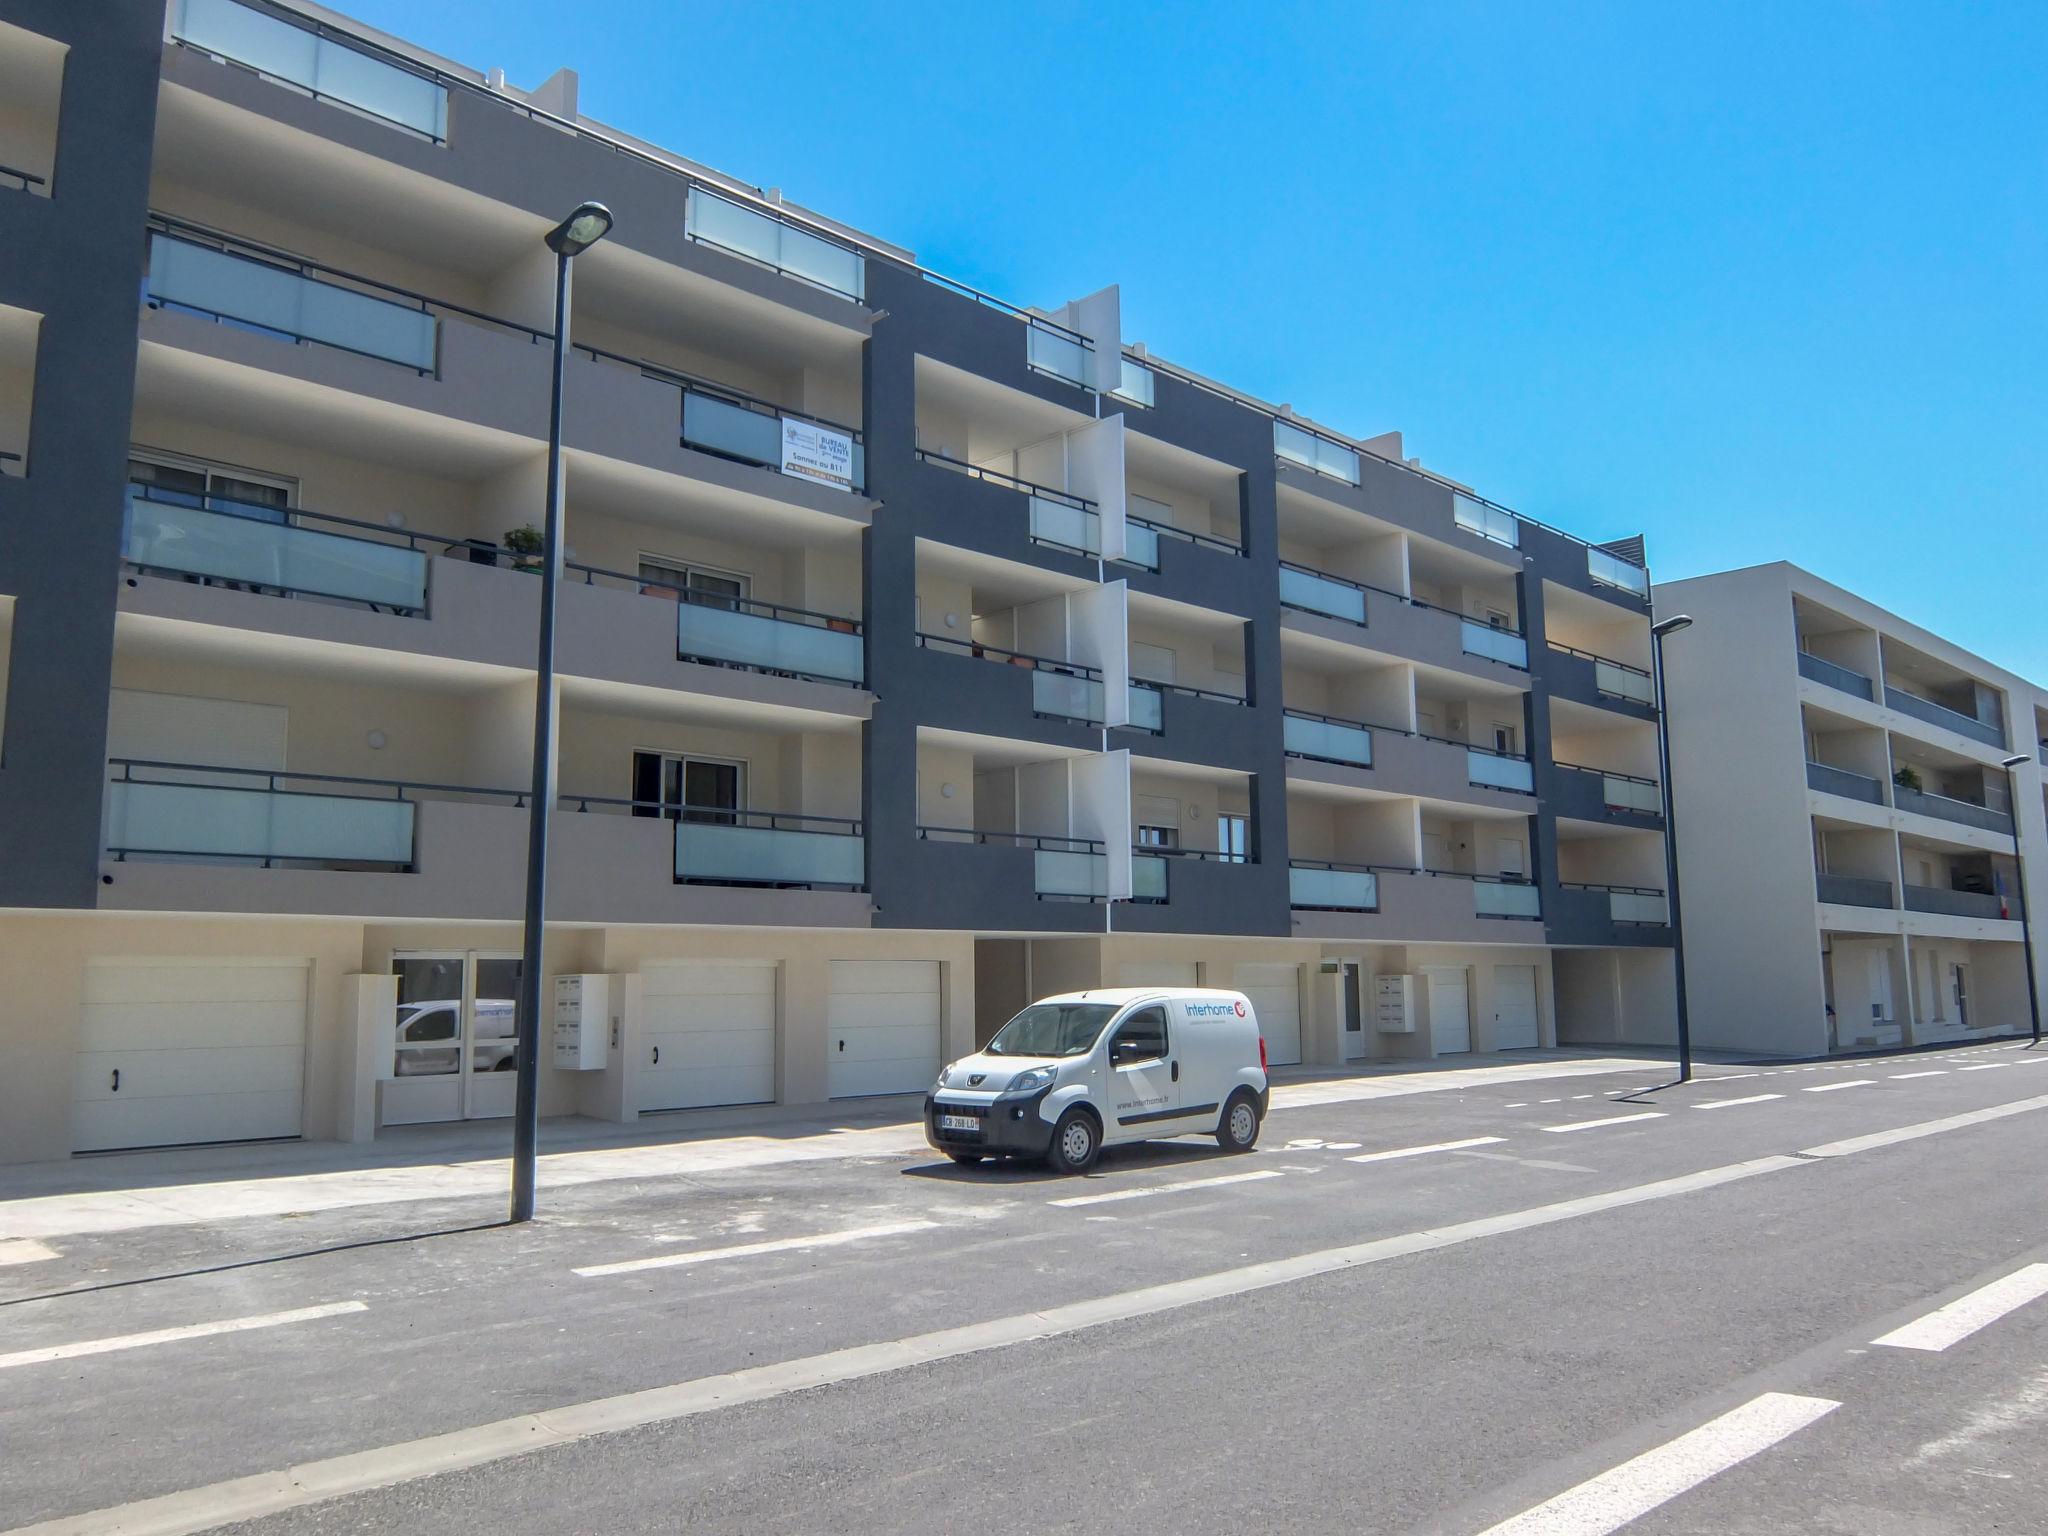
[{"x": 1074, "y": 1073}]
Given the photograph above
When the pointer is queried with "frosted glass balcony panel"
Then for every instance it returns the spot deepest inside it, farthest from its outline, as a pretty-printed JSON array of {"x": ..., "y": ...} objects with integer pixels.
[
  {"x": 1342, "y": 890},
  {"x": 1056, "y": 353},
  {"x": 1499, "y": 772},
  {"x": 1611, "y": 572},
  {"x": 1148, "y": 878},
  {"x": 1328, "y": 740},
  {"x": 1071, "y": 527},
  {"x": 1147, "y": 708},
  {"x": 1631, "y": 795},
  {"x": 1623, "y": 683},
  {"x": 220, "y": 821},
  {"x": 776, "y": 645},
  {"x": 768, "y": 856},
  {"x": 1494, "y": 523},
  {"x": 322, "y": 65},
  {"x": 1639, "y": 907},
  {"x": 1060, "y": 873},
  {"x": 198, "y": 542},
  {"x": 1495, "y": 644},
  {"x": 721, "y": 222},
  {"x": 1066, "y": 695},
  {"x": 1319, "y": 594},
  {"x": 1490, "y": 899}
]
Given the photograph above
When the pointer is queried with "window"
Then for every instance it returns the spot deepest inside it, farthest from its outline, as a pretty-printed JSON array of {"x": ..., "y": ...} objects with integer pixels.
[
  {"x": 1504, "y": 739},
  {"x": 667, "y": 578},
  {"x": 1233, "y": 837},
  {"x": 198, "y": 483},
  {"x": 1140, "y": 1038},
  {"x": 706, "y": 788},
  {"x": 1150, "y": 836}
]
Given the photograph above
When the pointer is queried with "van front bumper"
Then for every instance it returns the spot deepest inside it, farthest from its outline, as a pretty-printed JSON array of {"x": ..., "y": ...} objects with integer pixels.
[{"x": 1008, "y": 1127}]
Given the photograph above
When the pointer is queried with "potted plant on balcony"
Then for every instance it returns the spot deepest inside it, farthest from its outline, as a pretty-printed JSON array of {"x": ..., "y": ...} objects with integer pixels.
[
  {"x": 1906, "y": 776},
  {"x": 527, "y": 546}
]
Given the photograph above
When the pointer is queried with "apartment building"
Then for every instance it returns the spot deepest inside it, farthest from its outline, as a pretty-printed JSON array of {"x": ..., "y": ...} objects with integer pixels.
[
  {"x": 920, "y": 652},
  {"x": 1855, "y": 855}
]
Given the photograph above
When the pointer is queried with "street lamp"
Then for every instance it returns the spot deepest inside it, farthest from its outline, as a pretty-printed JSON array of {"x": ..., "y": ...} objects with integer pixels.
[
  {"x": 568, "y": 240},
  {"x": 1671, "y": 626},
  {"x": 2012, "y": 799}
]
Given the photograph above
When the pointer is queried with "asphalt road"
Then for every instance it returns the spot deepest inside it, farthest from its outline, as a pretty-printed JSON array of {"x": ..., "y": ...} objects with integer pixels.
[{"x": 1557, "y": 1318}]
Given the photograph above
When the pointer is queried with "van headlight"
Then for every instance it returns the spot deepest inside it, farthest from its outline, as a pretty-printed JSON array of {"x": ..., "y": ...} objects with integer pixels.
[
  {"x": 944, "y": 1073},
  {"x": 1032, "y": 1080}
]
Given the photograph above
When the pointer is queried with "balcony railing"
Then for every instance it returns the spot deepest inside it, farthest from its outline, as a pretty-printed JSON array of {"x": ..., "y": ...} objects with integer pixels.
[
  {"x": 1317, "y": 886},
  {"x": 741, "y": 632},
  {"x": 188, "y": 811},
  {"x": 1499, "y": 770},
  {"x": 25, "y": 180},
  {"x": 1051, "y": 348},
  {"x": 1962, "y": 812},
  {"x": 1142, "y": 536},
  {"x": 1496, "y": 524},
  {"x": 1062, "y": 868},
  {"x": 1832, "y": 674},
  {"x": 319, "y": 63},
  {"x": 1148, "y": 875},
  {"x": 217, "y": 539},
  {"x": 1311, "y": 450},
  {"x": 1059, "y": 518},
  {"x": 1136, "y": 383},
  {"x": 715, "y": 846},
  {"x": 1950, "y": 903},
  {"x": 1635, "y": 906},
  {"x": 1623, "y": 791},
  {"x": 1852, "y": 890},
  {"x": 1498, "y": 896},
  {"x": 1830, "y": 780},
  {"x": 1494, "y": 643},
  {"x": 1315, "y": 592},
  {"x": 1616, "y": 679},
  {"x": 1609, "y": 571},
  {"x": 721, "y": 222},
  {"x": 1326, "y": 739},
  {"x": 1948, "y": 719}
]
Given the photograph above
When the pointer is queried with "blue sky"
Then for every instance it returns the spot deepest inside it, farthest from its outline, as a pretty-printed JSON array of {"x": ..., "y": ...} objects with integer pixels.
[{"x": 1761, "y": 281}]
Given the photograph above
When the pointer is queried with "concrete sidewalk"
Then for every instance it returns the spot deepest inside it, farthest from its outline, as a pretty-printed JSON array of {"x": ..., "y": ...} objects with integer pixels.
[{"x": 189, "y": 1186}]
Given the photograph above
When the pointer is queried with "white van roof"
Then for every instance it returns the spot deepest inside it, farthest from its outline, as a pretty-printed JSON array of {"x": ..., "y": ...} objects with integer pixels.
[{"x": 1118, "y": 996}]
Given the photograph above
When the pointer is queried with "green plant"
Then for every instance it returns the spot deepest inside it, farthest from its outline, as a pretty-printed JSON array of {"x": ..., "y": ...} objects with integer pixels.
[
  {"x": 1906, "y": 776},
  {"x": 526, "y": 546}
]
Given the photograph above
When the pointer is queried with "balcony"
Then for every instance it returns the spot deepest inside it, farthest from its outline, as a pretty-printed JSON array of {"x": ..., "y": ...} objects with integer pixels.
[
  {"x": 1324, "y": 739},
  {"x": 760, "y": 637},
  {"x": 1313, "y": 451},
  {"x": 1314, "y": 592},
  {"x": 1853, "y": 891},
  {"x": 782, "y": 849},
  {"x": 1619, "y": 793},
  {"x": 1142, "y": 536},
  {"x": 1499, "y": 770},
  {"x": 1840, "y": 781},
  {"x": 1951, "y": 903},
  {"x": 1630, "y": 906},
  {"x": 1319, "y": 887},
  {"x": 217, "y": 540},
  {"x": 1499, "y": 896},
  {"x": 774, "y": 243},
  {"x": 1948, "y": 719},
  {"x": 1497, "y": 525},
  {"x": 1136, "y": 383},
  {"x": 1051, "y": 348},
  {"x": 1615, "y": 679},
  {"x": 1962, "y": 812},
  {"x": 1832, "y": 675},
  {"x": 1607, "y": 570},
  {"x": 1494, "y": 643}
]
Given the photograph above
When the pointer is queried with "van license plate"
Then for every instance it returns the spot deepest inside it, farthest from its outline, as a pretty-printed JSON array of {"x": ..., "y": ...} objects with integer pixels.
[{"x": 959, "y": 1122}]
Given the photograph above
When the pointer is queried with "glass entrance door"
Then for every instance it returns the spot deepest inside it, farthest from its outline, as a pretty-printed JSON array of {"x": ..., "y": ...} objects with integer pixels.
[{"x": 454, "y": 1042}]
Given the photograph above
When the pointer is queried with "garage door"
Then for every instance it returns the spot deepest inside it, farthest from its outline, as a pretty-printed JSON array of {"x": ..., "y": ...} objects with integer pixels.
[
  {"x": 1157, "y": 973},
  {"x": 708, "y": 1030},
  {"x": 1275, "y": 993},
  {"x": 882, "y": 1027},
  {"x": 174, "y": 1054},
  {"x": 1450, "y": 1011},
  {"x": 1514, "y": 1007}
]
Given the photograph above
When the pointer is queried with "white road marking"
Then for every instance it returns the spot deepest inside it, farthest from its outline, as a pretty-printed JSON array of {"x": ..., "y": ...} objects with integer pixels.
[
  {"x": 748, "y": 1250},
  {"x": 1170, "y": 1189},
  {"x": 1550, "y": 1101},
  {"x": 1854, "y": 1082},
  {"x": 1577, "y": 1096},
  {"x": 1966, "y": 1314},
  {"x": 173, "y": 1335},
  {"x": 1754, "y": 1098},
  {"x": 1611, "y": 1500},
  {"x": 1900, "y": 1077},
  {"x": 1985, "y": 1066},
  {"x": 1851, "y": 1145},
  {"x": 1587, "y": 1125},
  {"x": 1435, "y": 1146},
  {"x": 24, "y": 1250},
  {"x": 1519, "y": 1104},
  {"x": 1344, "y": 1146}
]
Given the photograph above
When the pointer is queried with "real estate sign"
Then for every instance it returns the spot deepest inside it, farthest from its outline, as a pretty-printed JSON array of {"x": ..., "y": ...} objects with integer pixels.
[{"x": 817, "y": 453}]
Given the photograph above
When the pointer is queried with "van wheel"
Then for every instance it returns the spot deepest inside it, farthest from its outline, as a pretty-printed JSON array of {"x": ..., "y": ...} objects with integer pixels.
[
  {"x": 1238, "y": 1130},
  {"x": 1076, "y": 1143},
  {"x": 966, "y": 1159}
]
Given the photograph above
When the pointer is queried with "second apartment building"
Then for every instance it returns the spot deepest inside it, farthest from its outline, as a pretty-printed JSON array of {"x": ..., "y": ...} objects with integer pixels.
[{"x": 920, "y": 652}]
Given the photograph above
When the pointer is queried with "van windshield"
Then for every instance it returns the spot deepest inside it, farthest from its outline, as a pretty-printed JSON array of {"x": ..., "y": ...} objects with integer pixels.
[{"x": 1052, "y": 1029}]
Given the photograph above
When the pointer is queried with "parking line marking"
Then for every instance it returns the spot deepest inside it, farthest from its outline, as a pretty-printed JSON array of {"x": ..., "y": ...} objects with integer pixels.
[
  {"x": 1169, "y": 1189},
  {"x": 24, "y": 1250},
  {"x": 1854, "y": 1082},
  {"x": 1850, "y": 1145},
  {"x": 747, "y": 1250},
  {"x": 1587, "y": 1125},
  {"x": 1435, "y": 1146},
  {"x": 1631, "y": 1490},
  {"x": 1754, "y": 1098},
  {"x": 1966, "y": 1314},
  {"x": 1900, "y": 1077},
  {"x": 173, "y": 1335}
]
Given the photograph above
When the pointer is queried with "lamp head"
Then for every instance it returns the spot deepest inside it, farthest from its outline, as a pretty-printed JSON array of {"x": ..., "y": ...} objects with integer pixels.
[
  {"x": 2014, "y": 761},
  {"x": 1672, "y": 625},
  {"x": 590, "y": 223}
]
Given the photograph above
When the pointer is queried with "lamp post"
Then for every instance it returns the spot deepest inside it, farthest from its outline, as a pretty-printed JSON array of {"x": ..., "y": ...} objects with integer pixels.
[
  {"x": 568, "y": 239},
  {"x": 2012, "y": 796},
  {"x": 1671, "y": 626}
]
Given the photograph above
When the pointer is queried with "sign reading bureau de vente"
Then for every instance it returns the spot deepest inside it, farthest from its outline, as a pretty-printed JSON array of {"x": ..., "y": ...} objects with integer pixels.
[{"x": 817, "y": 453}]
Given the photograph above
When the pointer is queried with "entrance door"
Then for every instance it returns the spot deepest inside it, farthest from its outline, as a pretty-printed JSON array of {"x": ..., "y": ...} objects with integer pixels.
[
  {"x": 1450, "y": 1015},
  {"x": 1514, "y": 1007},
  {"x": 1959, "y": 993},
  {"x": 455, "y": 1041},
  {"x": 1351, "y": 988},
  {"x": 1508, "y": 854},
  {"x": 1144, "y": 1087}
]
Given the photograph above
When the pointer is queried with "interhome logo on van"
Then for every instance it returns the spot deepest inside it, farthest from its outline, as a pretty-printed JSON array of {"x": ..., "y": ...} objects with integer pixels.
[{"x": 1214, "y": 1010}]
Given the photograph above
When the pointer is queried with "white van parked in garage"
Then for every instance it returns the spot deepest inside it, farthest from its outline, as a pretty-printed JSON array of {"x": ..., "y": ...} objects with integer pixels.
[{"x": 1074, "y": 1073}]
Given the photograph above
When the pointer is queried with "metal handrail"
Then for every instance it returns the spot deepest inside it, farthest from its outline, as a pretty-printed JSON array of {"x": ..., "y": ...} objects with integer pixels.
[
  {"x": 1349, "y": 869},
  {"x": 1309, "y": 570},
  {"x": 1605, "y": 773},
  {"x": 718, "y": 815},
  {"x": 1626, "y": 890},
  {"x": 1167, "y": 530},
  {"x": 809, "y": 617},
  {"x": 664, "y": 374},
  {"x": 1199, "y": 855},
  {"x": 1010, "y": 482},
  {"x": 1191, "y": 692},
  {"x": 1048, "y": 842},
  {"x": 26, "y": 178},
  {"x": 401, "y": 788},
  {"x": 981, "y": 650},
  {"x": 1356, "y": 725},
  {"x": 1572, "y": 650}
]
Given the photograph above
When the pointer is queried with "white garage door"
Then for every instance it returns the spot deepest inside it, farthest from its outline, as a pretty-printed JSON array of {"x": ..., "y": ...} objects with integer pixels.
[
  {"x": 1157, "y": 973},
  {"x": 1275, "y": 993},
  {"x": 708, "y": 1032},
  {"x": 1514, "y": 1007},
  {"x": 1450, "y": 1012},
  {"x": 882, "y": 1027},
  {"x": 173, "y": 1054}
]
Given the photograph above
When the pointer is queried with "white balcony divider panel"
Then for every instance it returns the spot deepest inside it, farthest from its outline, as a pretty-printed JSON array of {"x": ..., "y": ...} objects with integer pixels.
[
  {"x": 780, "y": 645},
  {"x": 1494, "y": 523},
  {"x": 1135, "y": 382},
  {"x": 321, "y": 65},
  {"x": 1515, "y": 1026},
  {"x": 1147, "y": 707},
  {"x": 1099, "y": 800},
  {"x": 769, "y": 855},
  {"x": 1624, "y": 684},
  {"x": 1612, "y": 572},
  {"x": 1274, "y": 991},
  {"x": 275, "y": 298},
  {"x": 1099, "y": 632},
  {"x": 1100, "y": 317},
  {"x": 1095, "y": 471},
  {"x": 1327, "y": 740},
  {"x": 1499, "y": 772},
  {"x": 215, "y": 821},
  {"x": 206, "y": 1051},
  {"x": 1638, "y": 907},
  {"x": 1491, "y": 899},
  {"x": 1067, "y": 695},
  {"x": 1304, "y": 589},
  {"x": 1058, "y": 522},
  {"x": 721, "y": 222},
  {"x": 1627, "y": 794},
  {"x": 882, "y": 1027},
  {"x": 1351, "y": 890},
  {"x": 1495, "y": 644},
  {"x": 1056, "y": 353},
  {"x": 1066, "y": 872},
  {"x": 1315, "y": 452},
  {"x": 707, "y": 1028},
  {"x": 230, "y": 547}
]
